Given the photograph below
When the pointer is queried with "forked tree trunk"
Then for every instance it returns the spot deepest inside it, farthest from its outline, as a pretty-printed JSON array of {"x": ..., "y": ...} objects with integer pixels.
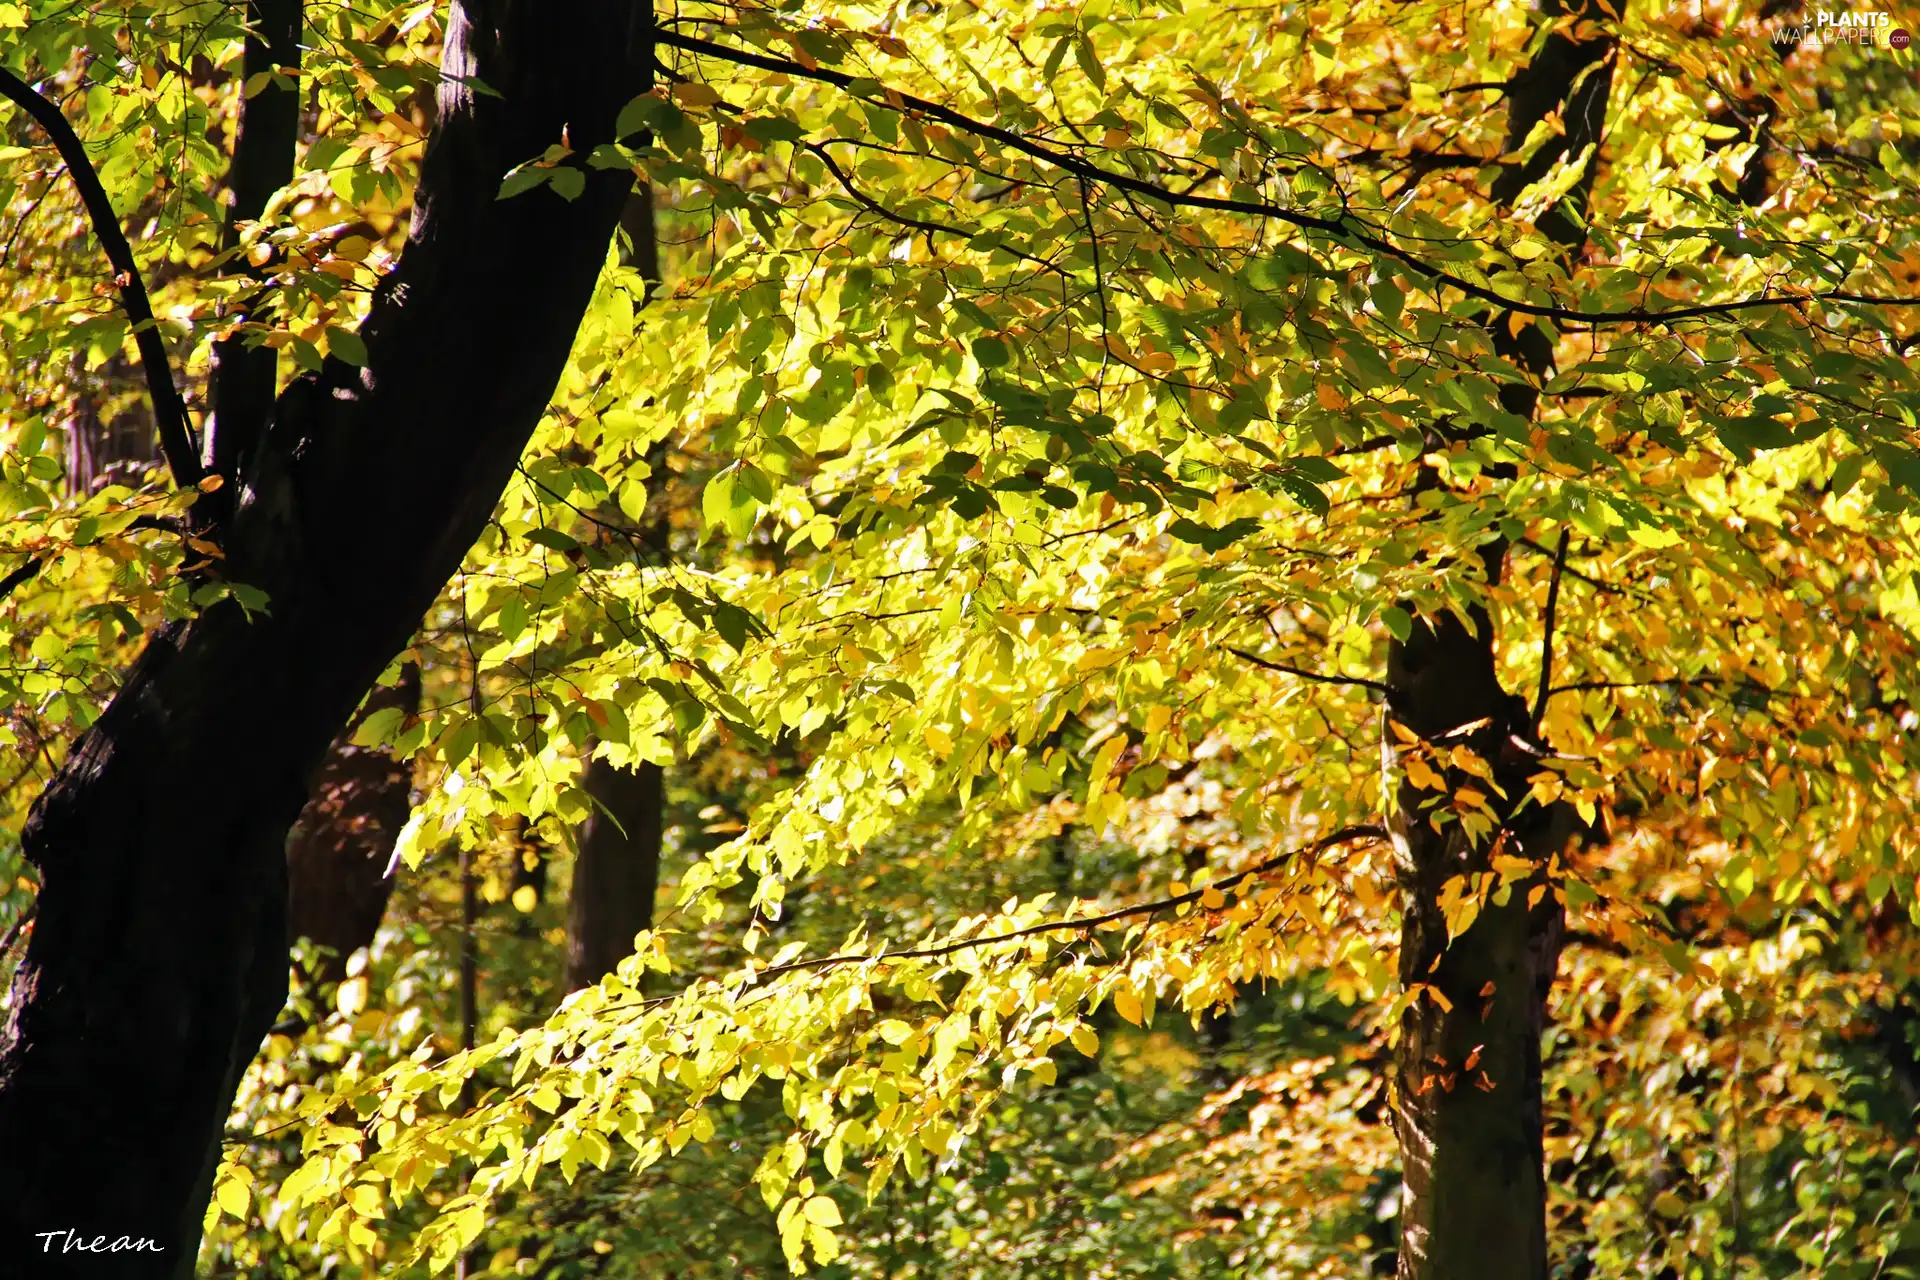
[
  {"x": 1467, "y": 1067},
  {"x": 158, "y": 959}
]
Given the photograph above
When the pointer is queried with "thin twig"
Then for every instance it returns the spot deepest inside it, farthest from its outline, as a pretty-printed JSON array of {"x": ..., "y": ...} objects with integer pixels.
[
  {"x": 1546, "y": 630},
  {"x": 13, "y": 934},
  {"x": 1270, "y": 665},
  {"x": 1676, "y": 682},
  {"x": 1365, "y": 830}
]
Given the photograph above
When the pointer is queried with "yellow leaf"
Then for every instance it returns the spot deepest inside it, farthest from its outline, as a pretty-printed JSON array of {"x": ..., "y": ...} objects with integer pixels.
[
  {"x": 1103, "y": 761},
  {"x": 821, "y": 1211},
  {"x": 1653, "y": 536},
  {"x": 234, "y": 1195},
  {"x": 1511, "y": 869},
  {"x": 1422, "y": 776},
  {"x": 365, "y": 1199},
  {"x": 1528, "y": 248},
  {"x": 1212, "y": 899},
  {"x": 1468, "y": 762},
  {"x": 1127, "y": 1005},
  {"x": 1086, "y": 1041},
  {"x": 1093, "y": 659},
  {"x": 351, "y": 998}
]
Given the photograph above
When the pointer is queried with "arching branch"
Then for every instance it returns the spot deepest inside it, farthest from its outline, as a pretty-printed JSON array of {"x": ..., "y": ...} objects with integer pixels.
[
  {"x": 169, "y": 410},
  {"x": 1343, "y": 227},
  {"x": 1083, "y": 924}
]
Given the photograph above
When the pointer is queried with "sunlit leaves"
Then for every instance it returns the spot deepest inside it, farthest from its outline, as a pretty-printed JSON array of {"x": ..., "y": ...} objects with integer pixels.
[{"x": 963, "y": 484}]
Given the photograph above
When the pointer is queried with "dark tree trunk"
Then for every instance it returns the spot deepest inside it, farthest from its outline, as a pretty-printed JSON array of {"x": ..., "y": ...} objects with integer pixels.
[
  {"x": 617, "y": 870},
  {"x": 338, "y": 851},
  {"x": 640, "y": 242},
  {"x": 243, "y": 379},
  {"x": 1467, "y": 1067},
  {"x": 158, "y": 959},
  {"x": 337, "y": 854}
]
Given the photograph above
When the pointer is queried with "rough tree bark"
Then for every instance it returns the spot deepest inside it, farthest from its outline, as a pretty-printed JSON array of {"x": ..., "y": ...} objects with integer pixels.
[
  {"x": 617, "y": 869},
  {"x": 158, "y": 959},
  {"x": 1467, "y": 1068}
]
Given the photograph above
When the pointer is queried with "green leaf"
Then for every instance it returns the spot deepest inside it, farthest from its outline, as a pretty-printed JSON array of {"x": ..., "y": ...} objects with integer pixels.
[
  {"x": 1210, "y": 538},
  {"x": 773, "y": 129},
  {"x": 523, "y": 179},
  {"x": 716, "y": 499},
  {"x": 1304, "y": 492},
  {"x": 346, "y": 345},
  {"x": 990, "y": 353},
  {"x": 734, "y": 624},
  {"x": 1320, "y": 470},
  {"x": 637, "y": 116}
]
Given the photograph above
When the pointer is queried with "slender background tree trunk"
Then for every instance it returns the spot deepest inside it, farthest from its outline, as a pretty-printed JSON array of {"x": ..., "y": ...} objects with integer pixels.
[
  {"x": 158, "y": 959},
  {"x": 616, "y": 872},
  {"x": 243, "y": 379}
]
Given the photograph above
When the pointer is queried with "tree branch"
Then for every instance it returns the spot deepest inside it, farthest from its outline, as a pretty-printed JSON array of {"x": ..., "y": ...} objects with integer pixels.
[
  {"x": 1546, "y": 630},
  {"x": 169, "y": 410},
  {"x": 23, "y": 574},
  {"x": 1270, "y": 665},
  {"x": 1359, "y": 831},
  {"x": 1343, "y": 226},
  {"x": 1605, "y": 588},
  {"x": 13, "y": 934},
  {"x": 1676, "y": 682}
]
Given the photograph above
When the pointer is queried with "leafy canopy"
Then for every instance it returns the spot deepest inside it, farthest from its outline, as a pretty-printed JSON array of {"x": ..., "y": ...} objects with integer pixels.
[{"x": 1056, "y": 388}]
